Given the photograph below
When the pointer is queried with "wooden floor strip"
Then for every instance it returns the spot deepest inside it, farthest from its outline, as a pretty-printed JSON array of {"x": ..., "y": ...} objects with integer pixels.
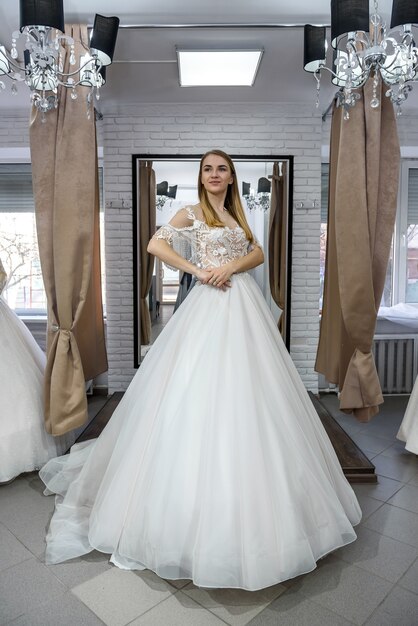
[
  {"x": 100, "y": 420},
  {"x": 356, "y": 466}
]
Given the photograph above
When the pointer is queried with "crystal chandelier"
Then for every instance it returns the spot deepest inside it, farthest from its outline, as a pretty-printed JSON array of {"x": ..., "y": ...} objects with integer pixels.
[
  {"x": 364, "y": 48},
  {"x": 259, "y": 200},
  {"x": 42, "y": 24}
]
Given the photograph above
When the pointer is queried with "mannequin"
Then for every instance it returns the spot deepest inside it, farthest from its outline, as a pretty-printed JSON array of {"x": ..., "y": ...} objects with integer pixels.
[{"x": 24, "y": 444}]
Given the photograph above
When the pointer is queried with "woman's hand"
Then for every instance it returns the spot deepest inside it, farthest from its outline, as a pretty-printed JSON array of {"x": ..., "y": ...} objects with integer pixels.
[
  {"x": 203, "y": 275},
  {"x": 209, "y": 277},
  {"x": 221, "y": 275}
]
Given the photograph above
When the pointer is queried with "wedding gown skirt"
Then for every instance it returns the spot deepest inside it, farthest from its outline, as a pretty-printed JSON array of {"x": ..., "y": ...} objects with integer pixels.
[
  {"x": 215, "y": 466},
  {"x": 24, "y": 443},
  {"x": 408, "y": 431}
]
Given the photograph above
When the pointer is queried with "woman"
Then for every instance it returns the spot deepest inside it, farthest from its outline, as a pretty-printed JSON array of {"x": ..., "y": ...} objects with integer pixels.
[
  {"x": 24, "y": 444},
  {"x": 214, "y": 466}
]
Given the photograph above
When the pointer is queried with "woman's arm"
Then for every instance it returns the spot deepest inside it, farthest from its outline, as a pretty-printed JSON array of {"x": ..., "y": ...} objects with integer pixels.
[
  {"x": 250, "y": 260},
  {"x": 163, "y": 250}
]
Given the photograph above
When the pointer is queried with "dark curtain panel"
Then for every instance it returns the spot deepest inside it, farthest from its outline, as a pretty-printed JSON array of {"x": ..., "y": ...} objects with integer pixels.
[
  {"x": 146, "y": 221},
  {"x": 278, "y": 241}
]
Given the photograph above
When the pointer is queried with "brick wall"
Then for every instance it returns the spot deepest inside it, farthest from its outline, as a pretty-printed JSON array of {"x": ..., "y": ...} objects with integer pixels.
[
  {"x": 187, "y": 129},
  {"x": 178, "y": 129}
]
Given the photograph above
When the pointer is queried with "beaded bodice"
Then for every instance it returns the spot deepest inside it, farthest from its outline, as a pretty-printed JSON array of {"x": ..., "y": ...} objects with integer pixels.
[{"x": 203, "y": 245}]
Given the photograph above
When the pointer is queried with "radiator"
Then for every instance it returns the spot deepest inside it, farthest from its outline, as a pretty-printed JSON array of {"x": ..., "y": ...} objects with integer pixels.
[{"x": 396, "y": 358}]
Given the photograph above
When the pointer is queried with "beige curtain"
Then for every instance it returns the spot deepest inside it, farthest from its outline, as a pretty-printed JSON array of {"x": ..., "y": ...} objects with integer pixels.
[
  {"x": 146, "y": 224},
  {"x": 363, "y": 184},
  {"x": 65, "y": 184},
  {"x": 277, "y": 246}
]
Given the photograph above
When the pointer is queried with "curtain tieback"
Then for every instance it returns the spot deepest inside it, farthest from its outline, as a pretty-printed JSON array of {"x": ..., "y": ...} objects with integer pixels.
[{"x": 55, "y": 329}]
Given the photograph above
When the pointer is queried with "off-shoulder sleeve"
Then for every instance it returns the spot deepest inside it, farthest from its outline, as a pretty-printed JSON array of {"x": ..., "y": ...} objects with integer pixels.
[{"x": 180, "y": 234}]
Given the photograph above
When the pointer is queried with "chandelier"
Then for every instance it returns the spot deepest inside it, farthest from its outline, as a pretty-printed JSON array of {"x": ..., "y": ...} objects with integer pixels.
[
  {"x": 363, "y": 48},
  {"x": 42, "y": 24},
  {"x": 259, "y": 200}
]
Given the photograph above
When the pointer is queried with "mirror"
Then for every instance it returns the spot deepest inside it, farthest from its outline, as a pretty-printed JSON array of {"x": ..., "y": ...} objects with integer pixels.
[{"x": 175, "y": 178}]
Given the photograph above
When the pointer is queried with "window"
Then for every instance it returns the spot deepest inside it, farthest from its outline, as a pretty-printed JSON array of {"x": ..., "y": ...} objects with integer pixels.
[
  {"x": 405, "y": 278},
  {"x": 18, "y": 241},
  {"x": 401, "y": 284},
  {"x": 323, "y": 235}
]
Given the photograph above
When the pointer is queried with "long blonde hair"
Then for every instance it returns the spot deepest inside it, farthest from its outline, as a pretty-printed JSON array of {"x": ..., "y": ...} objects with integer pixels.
[{"x": 233, "y": 202}]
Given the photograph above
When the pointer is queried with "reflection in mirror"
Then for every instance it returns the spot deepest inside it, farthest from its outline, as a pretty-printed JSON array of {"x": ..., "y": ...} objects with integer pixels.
[{"x": 266, "y": 192}]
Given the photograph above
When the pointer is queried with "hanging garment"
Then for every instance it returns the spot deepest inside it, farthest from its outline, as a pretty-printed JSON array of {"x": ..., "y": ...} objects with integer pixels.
[
  {"x": 24, "y": 444},
  {"x": 408, "y": 431}
]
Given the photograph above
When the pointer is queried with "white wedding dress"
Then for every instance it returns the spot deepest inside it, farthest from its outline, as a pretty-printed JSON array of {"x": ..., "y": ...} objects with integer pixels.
[
  {"x": 408, "y": 431},
  {"x": 215, "y": 466},
  {"x": 25, "y": 446}
]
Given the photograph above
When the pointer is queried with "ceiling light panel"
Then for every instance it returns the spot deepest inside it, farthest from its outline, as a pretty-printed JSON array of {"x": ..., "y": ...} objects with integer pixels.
[{"x": 217, "y": 68}]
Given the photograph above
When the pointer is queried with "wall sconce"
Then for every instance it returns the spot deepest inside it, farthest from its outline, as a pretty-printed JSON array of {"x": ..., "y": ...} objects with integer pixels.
[
  {"x": 165, "y": 193},
  {"x": 260, "y": 200}
]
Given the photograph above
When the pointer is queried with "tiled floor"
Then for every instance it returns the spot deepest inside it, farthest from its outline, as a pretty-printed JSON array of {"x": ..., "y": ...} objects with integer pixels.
[{"x": 373, "y": 581}]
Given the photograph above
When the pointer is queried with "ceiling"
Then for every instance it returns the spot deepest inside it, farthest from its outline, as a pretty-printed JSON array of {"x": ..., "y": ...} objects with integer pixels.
[{"x": 145, "y": 66}]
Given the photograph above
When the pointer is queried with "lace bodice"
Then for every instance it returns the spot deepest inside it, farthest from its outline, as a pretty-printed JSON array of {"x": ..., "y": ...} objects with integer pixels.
[{"x": 203, "y": 245}]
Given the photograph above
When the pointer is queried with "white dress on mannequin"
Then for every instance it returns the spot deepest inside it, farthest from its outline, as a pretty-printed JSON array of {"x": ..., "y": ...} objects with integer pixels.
[
  {"x": 215, "y": 465},
  {"x": 24, "y": 444},
  {"x": 408, "y": 431}
]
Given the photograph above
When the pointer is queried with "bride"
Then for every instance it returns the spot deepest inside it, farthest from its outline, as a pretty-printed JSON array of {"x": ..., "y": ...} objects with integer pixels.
[{"x": 215, "y": 466}]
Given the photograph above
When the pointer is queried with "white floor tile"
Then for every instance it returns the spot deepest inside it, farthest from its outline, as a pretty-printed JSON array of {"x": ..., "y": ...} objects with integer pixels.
[
  {"x": 117, "y": 596},
  {"x": 410, "y": 580},
  {"x": 12, "y": 551},
  {"x": 179, "y": 610},
  {"x": 294, "y": 609},
  {"x": 345, "y": 589},
  {"x": 24, "y": 588},
  {"x": 406, "y": 498},
  {"x": 400, "y": 608},
  {"x": 66, "y": 611},
  {"x": 396, "y": 523},
  {"x": 381, "y": 555},
  {"x": 235, "y": 606}
]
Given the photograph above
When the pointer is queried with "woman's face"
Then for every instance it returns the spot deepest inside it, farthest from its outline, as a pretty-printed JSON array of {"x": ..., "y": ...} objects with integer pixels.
[{"x": 216, "y": 174}]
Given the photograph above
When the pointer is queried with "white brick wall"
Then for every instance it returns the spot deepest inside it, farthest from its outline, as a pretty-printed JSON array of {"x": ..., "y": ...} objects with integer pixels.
[
  {"x": 14, "y": 131},
  {"x": 193, "y": 129},
  {"x": 178, "y": 129}
]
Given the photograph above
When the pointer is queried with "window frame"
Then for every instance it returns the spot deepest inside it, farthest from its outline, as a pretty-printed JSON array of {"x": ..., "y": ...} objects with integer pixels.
[
  {"x": 400, "y": 244},
  {"x": 21, "y": 156}
]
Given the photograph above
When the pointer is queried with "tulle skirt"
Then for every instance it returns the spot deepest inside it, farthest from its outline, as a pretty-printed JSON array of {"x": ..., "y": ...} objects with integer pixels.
[
  {"x": 24, "y": 444},
  {"x": 215, "y": 466}
]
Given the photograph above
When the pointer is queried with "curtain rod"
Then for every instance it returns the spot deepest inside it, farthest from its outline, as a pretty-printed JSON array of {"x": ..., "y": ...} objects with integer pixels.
[{"x": 210, "y": 25}]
